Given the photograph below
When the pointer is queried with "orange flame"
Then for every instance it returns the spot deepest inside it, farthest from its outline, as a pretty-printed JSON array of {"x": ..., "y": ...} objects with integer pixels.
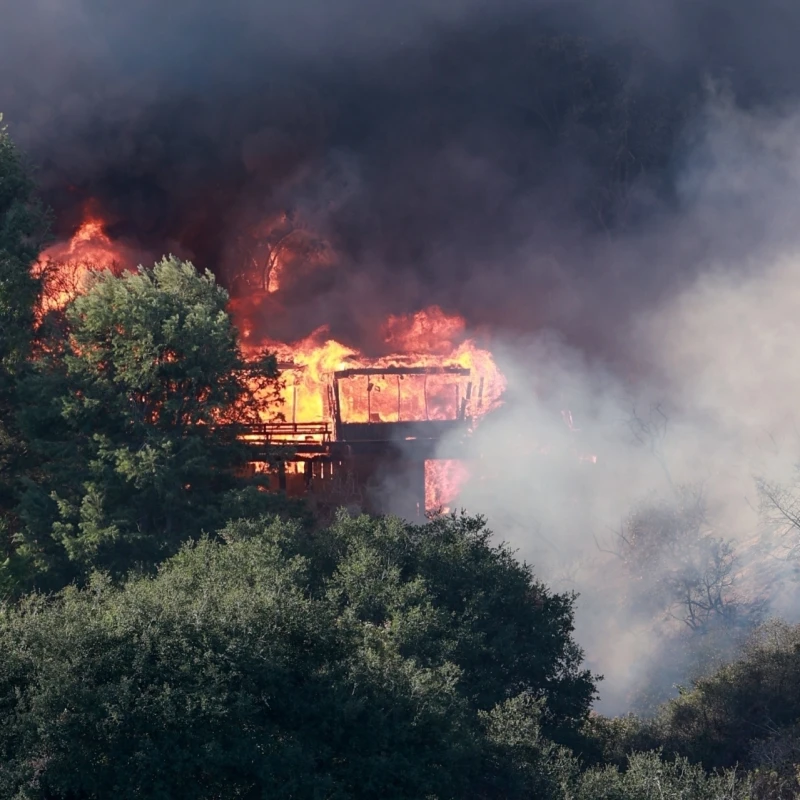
[
  {"x": 443, "y": 482},
  {"x": 283, "y": 250},
  {"x": 308, "y": 367},
  {"x": 65, "y": 267},
  {"x": 429, "y": 338},
  {"x": 430, "y": 331}
]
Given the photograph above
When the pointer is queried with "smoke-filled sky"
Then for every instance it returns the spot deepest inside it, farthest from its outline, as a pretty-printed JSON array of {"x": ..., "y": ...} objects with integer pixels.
[
  {"x": 468, "y": 153},
  {"x": 609, "y": 188}
]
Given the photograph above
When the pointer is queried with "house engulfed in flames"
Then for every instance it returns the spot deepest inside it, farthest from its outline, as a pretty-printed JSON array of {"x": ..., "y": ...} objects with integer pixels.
[
  {"x": 391, "y": 437},
  {"x": 385, "y": 434}
]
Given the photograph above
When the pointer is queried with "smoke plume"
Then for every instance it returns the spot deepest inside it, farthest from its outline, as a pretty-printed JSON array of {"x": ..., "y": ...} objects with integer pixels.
[
  {"x": 441, "y": 148},
  {"x": 710, "y": 409}
]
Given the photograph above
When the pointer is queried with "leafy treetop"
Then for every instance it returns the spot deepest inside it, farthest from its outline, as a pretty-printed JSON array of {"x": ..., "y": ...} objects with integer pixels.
[{"x": 132, "y": 412}]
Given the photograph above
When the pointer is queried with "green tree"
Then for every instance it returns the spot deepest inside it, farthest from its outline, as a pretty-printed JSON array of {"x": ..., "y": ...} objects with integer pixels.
[
  {"x": 447, "y": 595},
  {"x": 23, "y": 232},
  {"x": 744, "y": 715},
  {"x": 647, "y": 776},
  {"x": 24, "y": 227},
  {"x": 125, "y": 411},
  {"x": 250, "y": 667},
  {"x": 223, "y": 677},
  {"x": 518, "y": 760},
  {"x": 746, "y": 712}
]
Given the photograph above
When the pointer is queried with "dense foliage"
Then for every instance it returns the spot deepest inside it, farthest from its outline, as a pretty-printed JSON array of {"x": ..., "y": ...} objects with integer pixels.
[
  {"x": 273, "y": 663},
  {"x": 743, "y": 715},
  {"x": 123, "y": 410},
  {"x": 24, "y": 226},
  {"x": 246, "y": 668},
  {"x": 450, "y": 597},
  {"x": 746, "y": 713},
  {"x": 23, "y": 231}
]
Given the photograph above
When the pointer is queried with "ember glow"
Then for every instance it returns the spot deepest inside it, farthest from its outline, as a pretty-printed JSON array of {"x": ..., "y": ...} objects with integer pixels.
[
  {"x": 427, "y": 339},
  {"x": 443, "y": 481}
]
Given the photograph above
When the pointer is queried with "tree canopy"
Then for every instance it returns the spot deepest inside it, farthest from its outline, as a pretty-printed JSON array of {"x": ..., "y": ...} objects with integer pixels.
[
  {"x": 23, "y": 231},
  {"x": 132, "y": 411},
  {"x": 24, "y": 226},
  {"x": 350, "y": 663},
  {"x": 274, "y": 663}
]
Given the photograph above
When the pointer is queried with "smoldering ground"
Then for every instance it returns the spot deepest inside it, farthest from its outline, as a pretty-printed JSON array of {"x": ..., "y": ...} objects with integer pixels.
[{"x": 559, "y": 174}]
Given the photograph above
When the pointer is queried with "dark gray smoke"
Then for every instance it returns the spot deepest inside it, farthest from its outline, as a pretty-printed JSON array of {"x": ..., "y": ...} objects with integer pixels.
[{"x": 465, "y": 153}]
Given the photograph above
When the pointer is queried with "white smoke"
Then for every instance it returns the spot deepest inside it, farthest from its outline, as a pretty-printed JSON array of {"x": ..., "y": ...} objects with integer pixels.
[{"x": 713, "y": 404}]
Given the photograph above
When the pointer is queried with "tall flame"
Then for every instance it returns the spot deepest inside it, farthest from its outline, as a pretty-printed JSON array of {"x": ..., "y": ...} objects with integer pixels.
[
  {"x": 428, "y": 338},
  {"x": 65, "y": 267},
  {"x": 309, "y": 364},
  {"x": 443, "y": 481}
]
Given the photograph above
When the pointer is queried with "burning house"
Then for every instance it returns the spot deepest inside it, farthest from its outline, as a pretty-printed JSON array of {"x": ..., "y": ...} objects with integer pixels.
[
  {"x": 372, "y": 436},
  {"x": 384, "y": 433}
]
